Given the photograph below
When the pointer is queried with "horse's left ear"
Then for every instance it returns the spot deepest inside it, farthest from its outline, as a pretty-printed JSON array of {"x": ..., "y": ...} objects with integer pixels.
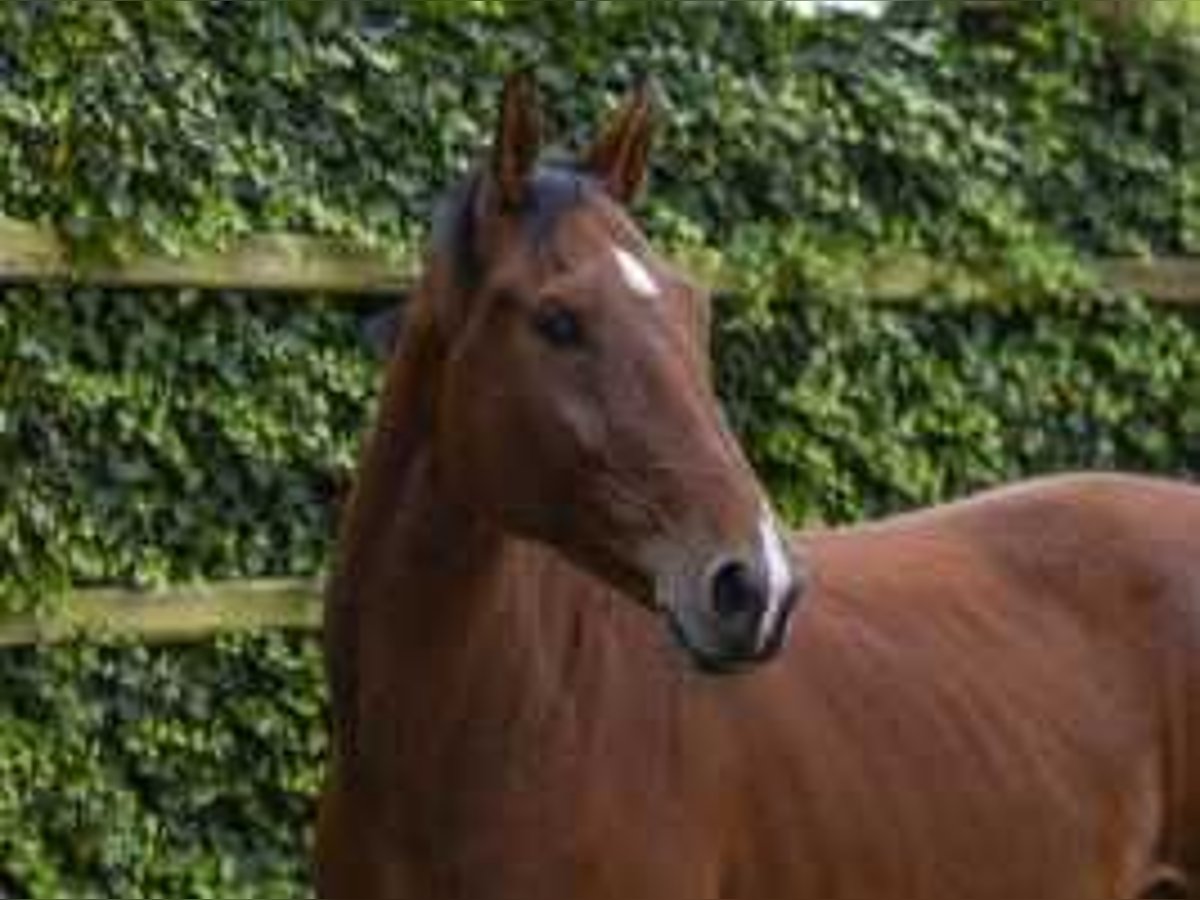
[
  {"x": 620, "y": 156},
  {"x": 517, "y": 142}
]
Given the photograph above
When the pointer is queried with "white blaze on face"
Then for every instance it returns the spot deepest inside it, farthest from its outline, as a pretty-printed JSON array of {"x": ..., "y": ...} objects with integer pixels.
[
  {"x": 635, "y": 273},
  {"x": 779, "y": 572}
]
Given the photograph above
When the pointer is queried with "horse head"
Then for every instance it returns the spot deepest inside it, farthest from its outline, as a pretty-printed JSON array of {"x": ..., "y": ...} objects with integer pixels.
[{"x": 574, "y": 402}]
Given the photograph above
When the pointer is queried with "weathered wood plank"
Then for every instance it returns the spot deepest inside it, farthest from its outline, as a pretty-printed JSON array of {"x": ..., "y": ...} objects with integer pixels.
[
  {"x": 175, "y": 614},
  {"x": 302, "y": 264},
  {"x": 268, "y": 262},
  {"x": 909, "y": 278},
  {"x": 1164, "y": 280}
]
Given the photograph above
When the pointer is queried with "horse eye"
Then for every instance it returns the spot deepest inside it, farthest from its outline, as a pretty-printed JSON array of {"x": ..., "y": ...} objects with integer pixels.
[{"x": 558, "y": 326}]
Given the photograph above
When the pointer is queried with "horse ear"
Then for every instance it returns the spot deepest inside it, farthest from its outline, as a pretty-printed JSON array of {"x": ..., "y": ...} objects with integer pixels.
[
  {"x": 517, "y": 142},
  {"x": 381, "y": 331},
  {"x": 621, "y": 155}
]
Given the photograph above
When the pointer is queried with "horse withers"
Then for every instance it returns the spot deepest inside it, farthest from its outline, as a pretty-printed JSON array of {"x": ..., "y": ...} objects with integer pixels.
[{"x": 555, "y": 549}]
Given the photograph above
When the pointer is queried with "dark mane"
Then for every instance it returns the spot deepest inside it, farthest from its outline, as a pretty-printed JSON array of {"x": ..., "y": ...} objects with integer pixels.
[{"x": 554, "y": 189}]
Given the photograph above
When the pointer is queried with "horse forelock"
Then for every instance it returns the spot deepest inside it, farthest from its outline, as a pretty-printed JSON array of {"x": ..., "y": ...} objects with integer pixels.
[
  {"x": 554, "y": 189},
  {"x": 453, "y": 234}
]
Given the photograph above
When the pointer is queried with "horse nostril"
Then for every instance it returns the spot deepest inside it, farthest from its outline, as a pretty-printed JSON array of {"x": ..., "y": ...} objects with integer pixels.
[
  {"x": 736, "y": 593},
  {"x": 792, "y": 597}
]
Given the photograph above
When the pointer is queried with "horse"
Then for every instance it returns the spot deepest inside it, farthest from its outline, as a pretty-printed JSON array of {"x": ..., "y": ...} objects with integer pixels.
[{"x": 573, "y": 653}]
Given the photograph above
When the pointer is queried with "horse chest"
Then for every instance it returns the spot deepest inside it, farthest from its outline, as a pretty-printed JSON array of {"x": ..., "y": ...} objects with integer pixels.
[{"x": 555, "y": 821}]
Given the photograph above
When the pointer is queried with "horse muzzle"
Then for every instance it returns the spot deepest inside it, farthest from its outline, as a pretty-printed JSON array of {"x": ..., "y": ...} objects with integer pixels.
[{"x": 737, "y": 614}]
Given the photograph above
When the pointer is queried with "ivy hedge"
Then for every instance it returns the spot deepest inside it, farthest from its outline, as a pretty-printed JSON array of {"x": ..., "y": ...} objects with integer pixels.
[{"x": 150, "y": 437}]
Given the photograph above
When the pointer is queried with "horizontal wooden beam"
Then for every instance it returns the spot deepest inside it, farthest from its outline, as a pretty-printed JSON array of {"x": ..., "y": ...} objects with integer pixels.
[
  {"x": 267, "y": 262},
  {"x": 1164, "y": 280},
  {"x": 176, "y": 614},
  {"x": 904, "y": 278},
  {"x": 303, "y": 264}
]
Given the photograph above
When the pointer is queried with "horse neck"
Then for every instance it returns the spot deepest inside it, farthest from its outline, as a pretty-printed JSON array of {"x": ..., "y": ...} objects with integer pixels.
[{"x": 432, "y": 614}]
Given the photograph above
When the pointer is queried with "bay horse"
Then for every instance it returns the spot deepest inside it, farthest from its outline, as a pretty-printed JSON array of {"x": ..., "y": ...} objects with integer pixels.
[{"x": 573, "y": 655}]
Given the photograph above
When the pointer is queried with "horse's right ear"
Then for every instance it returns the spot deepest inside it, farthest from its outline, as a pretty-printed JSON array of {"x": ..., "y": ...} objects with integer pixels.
[
  {"x": 621, "y": 154},
  {"x": 517, "y": 143},
  {"x": 381, "y": 331}
]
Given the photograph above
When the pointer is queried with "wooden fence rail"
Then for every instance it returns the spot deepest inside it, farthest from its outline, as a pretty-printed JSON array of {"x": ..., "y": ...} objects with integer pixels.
[
  {"x": 1169, "y": 280},
  {"x": 304, "y": 264},
  {"x": 301, "y": 264},
  {"x": 179, "y": 613},
  {"x": 261, "y": 263}
]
